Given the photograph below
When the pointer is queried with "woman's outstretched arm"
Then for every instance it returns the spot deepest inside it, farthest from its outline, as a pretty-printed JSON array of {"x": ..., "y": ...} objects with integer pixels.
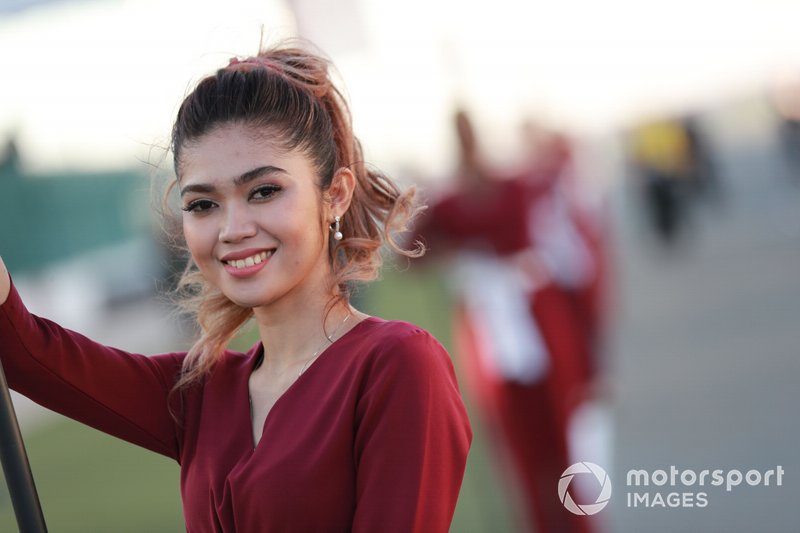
[{"x": 123, "y": 394}]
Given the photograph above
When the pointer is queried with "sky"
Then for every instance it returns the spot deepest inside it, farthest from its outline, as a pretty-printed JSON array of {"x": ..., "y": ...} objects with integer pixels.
[{"x": 95, "y": 84}]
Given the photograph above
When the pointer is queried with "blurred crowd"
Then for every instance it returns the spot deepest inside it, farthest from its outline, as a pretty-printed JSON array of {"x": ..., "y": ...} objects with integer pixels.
[
  {"x": 675, "y": 164},
  {"x": 529, "y": 262}
]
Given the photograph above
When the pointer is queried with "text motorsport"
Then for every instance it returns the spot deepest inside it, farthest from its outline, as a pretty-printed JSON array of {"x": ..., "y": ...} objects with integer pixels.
[{"x": 653, "y": 498}]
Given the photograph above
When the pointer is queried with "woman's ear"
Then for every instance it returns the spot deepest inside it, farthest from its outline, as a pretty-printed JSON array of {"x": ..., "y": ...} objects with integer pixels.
[{"x": 340, "y": 193}]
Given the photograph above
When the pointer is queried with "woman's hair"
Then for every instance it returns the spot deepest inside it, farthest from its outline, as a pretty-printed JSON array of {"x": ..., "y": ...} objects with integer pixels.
[{"x": 287, "y": 93}]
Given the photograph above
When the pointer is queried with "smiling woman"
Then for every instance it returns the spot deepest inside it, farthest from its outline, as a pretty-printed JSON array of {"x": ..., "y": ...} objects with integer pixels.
[{"x": 334, "y": 420}]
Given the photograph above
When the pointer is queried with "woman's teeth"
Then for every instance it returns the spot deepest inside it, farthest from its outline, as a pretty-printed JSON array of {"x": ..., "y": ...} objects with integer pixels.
[{"x": 250, "y": 261}]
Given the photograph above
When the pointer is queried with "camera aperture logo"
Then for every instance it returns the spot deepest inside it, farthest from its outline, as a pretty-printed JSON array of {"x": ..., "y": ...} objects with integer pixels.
[{"x": 603, "y": 497}]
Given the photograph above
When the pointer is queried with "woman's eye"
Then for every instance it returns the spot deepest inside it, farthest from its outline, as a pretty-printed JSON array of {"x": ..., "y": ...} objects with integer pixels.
[
  {"x": 264, "y": 192},
  {"x": 198, "y": 206}
]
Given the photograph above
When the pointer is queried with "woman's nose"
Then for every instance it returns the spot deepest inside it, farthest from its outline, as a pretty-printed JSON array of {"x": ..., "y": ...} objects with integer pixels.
[{"x": 237, "y": 225}]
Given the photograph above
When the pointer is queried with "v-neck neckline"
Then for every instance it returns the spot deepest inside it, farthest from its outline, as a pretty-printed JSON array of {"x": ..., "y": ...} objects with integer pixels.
[{"x": 254, "y": 363}]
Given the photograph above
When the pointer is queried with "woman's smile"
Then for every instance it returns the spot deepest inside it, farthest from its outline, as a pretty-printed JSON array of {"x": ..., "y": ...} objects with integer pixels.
[{"x": 246, "y": 263}]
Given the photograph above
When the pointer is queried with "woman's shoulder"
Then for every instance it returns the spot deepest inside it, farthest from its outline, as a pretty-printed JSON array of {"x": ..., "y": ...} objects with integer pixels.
[
  {"x": 374, "y": 329},
  {"x": 392, "y": 342},
  {"x": 401, "y": 368},
  {"x": 391, "y": 328}
]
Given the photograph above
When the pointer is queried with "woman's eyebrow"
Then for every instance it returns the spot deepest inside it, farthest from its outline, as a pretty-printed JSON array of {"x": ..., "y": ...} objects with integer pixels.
[{"x": 248, "y": 176}]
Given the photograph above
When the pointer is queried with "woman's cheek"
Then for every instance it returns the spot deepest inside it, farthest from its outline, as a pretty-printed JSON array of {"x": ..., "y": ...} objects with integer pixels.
[{"x": 194, "y": 241}]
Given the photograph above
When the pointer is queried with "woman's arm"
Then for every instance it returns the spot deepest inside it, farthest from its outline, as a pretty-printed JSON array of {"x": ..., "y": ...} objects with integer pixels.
[
  {"x": 412, "y": 440},
  {"x": 123, "y": 394}
]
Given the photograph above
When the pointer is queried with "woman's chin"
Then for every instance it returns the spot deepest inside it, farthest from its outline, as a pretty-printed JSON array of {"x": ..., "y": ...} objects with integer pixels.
[{"x": 248, "y": 303}]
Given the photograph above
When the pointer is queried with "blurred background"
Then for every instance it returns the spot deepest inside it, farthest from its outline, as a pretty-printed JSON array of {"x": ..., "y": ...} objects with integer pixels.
[{"x": 658, "y": 146}]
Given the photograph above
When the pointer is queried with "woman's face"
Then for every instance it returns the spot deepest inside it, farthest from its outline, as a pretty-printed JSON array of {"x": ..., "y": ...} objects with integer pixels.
[{"x": 253, "y": 219}]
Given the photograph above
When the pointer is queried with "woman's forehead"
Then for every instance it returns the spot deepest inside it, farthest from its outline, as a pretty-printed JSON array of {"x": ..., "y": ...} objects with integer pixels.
[{"x": 230, "y": 151}]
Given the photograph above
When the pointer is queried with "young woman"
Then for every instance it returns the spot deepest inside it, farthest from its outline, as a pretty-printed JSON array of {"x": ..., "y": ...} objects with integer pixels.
[{"x": 334, "y": 420}]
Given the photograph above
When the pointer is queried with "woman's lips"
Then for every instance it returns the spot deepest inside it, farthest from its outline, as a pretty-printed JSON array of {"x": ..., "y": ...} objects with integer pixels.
[{"x": 247, "y": 266}]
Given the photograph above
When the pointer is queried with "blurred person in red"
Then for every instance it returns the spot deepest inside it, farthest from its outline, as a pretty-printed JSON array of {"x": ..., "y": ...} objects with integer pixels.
[{"x": 526, "y": 271}]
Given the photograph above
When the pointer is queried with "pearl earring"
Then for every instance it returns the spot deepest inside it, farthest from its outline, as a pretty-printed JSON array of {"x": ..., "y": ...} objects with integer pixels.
[{"x": 335, "y": 229}]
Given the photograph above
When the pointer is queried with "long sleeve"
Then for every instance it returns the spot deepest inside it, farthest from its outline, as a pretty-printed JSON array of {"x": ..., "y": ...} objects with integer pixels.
[
  {"x": 412, "y": 440},
  {"x": 123, "y": 394}
]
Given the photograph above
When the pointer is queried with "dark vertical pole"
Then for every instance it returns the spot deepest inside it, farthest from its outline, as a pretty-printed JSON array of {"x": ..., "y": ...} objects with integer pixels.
[{"x": 17, "y": 468}]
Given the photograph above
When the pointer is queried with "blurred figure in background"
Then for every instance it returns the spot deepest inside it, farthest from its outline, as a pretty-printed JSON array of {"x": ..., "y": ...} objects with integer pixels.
[
  {"x": 786, "y": 100},
  {"x": 703, "y": 172},
  {"x": 661, "y": 157},
  {"x": 527, "y": 277},
  {"x": 790, "y": 136},
  {"x": 673, "y": 165}
]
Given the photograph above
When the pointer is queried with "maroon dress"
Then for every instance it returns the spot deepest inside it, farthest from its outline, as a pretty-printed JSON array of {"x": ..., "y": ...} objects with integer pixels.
[{"x": 373, "y": 436}]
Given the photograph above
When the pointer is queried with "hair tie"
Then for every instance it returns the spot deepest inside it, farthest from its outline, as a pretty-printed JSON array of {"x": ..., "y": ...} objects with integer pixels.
[{"x": 250, "y": 63}]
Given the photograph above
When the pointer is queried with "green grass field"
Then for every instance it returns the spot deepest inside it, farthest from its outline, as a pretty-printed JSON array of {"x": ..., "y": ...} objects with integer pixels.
[{"x": 89, "y": 482}]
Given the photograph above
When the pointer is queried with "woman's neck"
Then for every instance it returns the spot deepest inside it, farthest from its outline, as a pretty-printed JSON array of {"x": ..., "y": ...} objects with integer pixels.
[{"x": 293, "y": 332}]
